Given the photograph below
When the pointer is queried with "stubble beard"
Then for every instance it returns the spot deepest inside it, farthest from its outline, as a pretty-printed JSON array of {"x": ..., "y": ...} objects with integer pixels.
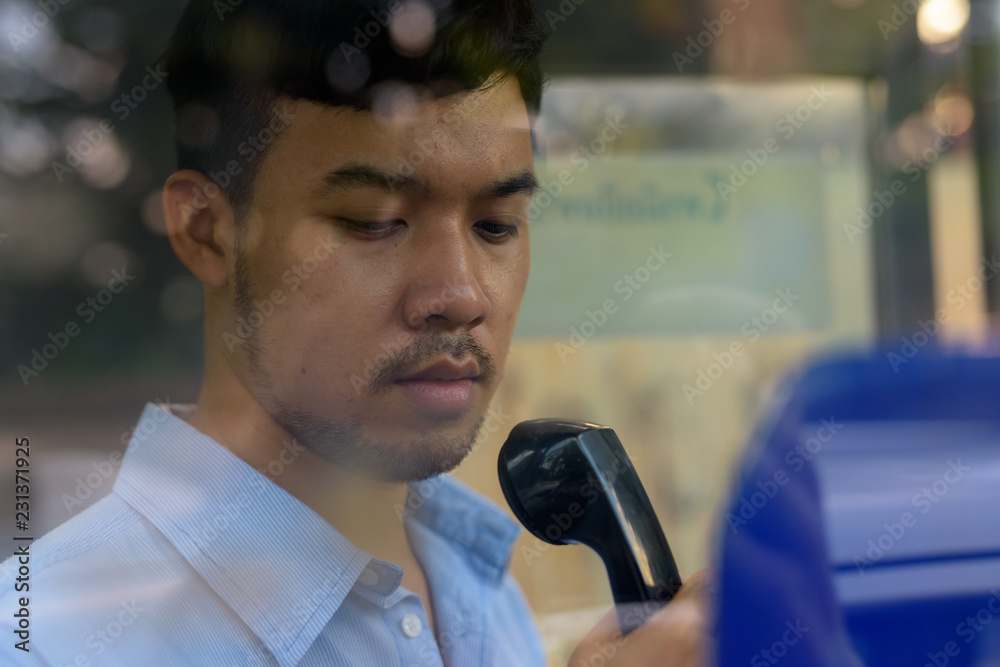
[{"x": 343, "y": 442}]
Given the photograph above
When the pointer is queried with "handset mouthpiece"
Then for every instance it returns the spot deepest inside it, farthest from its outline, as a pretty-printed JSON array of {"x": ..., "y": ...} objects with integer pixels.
[{"x": 571, "y": 482}]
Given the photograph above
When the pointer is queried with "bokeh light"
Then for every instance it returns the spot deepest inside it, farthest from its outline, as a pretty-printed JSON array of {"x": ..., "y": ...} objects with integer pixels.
[
  {"x": 413, "y": 27},
  {"x": 940, "y": 22},
  {"x": 101, "y": 259},
  {"x": 952, "y": 113}
]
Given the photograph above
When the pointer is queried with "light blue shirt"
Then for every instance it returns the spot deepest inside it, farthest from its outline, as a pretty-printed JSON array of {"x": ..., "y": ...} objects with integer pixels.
[{"x": 196, "y": 558}]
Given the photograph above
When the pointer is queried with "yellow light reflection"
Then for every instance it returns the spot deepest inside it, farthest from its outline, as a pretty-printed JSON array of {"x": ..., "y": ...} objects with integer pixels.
[
  {"x": 941, "y": 21},
  {"x": 952, "y": 114}
]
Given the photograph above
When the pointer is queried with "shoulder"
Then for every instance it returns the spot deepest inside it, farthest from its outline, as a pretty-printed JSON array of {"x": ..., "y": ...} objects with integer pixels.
[
  {"x": 100, "y": 526},
  {"x": 88, "y": 570}
]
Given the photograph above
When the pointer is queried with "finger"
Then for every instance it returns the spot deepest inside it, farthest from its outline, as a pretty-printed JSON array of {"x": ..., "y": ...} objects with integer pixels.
[
  {"x": 605, "y": 633},
  {"x": 605, "y": 628},
  {"x": 699, "y": 585},
  {"x": 673, "y": 637},
  {"x": 679, "y": 629}
]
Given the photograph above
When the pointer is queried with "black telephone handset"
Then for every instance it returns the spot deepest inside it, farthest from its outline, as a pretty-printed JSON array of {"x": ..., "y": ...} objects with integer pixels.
[{"x": 572, "y": 482}]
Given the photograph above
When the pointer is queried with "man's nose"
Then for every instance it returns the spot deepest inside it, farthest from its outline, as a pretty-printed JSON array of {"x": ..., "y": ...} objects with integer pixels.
[{"x": 446, "y": 290}]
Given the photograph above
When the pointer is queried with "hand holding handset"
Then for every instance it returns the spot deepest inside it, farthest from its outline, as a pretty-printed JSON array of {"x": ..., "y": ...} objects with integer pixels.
[{"x": 572, "y": 482}]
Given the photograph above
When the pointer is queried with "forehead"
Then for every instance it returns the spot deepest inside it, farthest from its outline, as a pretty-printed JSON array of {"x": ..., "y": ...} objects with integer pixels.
[{"x": 460, "y": 140}]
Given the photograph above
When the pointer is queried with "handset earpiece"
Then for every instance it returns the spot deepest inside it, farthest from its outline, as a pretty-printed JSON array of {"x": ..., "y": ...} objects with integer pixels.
[{"x": 572, "y": 482}]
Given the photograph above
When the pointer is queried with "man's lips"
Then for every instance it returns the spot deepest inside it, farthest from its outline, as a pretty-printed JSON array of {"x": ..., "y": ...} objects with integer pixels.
[
  {"x": 444, "y": 371},
  {"x": 444, "y": 386}
]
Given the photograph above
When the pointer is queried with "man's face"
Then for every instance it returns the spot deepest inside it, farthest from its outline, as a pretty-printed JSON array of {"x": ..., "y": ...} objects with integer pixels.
[{"x": 381, "y": 271}]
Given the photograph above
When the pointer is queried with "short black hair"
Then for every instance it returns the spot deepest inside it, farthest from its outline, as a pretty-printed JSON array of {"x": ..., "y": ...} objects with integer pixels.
[{"x": 229, "y": 61}]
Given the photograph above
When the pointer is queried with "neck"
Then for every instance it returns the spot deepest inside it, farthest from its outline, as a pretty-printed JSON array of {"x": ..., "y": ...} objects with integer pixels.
[{"x": 362, "y": 510}]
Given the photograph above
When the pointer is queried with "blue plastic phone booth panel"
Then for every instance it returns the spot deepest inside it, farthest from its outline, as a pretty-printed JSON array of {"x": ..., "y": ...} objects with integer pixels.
[{"x": 865, "y": 523}]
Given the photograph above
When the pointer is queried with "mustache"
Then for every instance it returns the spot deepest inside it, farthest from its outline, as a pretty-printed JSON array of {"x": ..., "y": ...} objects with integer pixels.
[{"x": 426, "y": 349}]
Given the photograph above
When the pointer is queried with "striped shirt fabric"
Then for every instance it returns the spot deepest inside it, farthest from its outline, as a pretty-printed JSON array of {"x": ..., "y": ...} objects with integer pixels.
[{"x": 195, "y": 558}]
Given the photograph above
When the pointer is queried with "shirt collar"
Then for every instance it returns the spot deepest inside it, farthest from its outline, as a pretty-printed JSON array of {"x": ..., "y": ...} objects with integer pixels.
[
  {"x": 280, "y": 566},
  {"x": 468, "y": 520}
]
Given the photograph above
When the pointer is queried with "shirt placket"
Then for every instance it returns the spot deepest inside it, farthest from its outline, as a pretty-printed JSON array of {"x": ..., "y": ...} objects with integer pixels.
[
  {"x": 403, "y": 613},
  {"x": 462, "y": 599},
  {"x": 416, "y": 642}
]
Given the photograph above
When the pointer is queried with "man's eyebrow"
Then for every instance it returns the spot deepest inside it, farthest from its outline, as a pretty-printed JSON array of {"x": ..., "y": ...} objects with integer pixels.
[
  {"x": 359, "y": 175},
  {"x": 524, "y": 183}
]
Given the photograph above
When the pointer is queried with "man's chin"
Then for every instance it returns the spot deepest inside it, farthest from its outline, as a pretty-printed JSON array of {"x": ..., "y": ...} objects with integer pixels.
[
  {"x": 415, "y": 460},
  {"x": 398, "y": 454}
]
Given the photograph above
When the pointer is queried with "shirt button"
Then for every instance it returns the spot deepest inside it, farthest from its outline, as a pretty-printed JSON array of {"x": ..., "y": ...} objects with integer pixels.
[
  {"x": 369, "y": 577},
  {"x": 411, "y": 625}
]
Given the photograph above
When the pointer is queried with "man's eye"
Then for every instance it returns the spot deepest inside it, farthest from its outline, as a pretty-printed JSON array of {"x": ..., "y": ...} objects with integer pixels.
[
  {"x": 372, "y": 228},
  {"x": 497, "y": 231}
]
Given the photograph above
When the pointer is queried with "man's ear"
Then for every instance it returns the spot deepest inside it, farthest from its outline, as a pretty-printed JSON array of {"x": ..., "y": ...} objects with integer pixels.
[{"x": 200, "y": 225}]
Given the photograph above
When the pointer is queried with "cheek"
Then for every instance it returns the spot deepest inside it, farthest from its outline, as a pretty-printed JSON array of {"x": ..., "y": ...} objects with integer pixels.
[
  {"x": 508, "y": 287},
  {"x": 327, "y": 314}
]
